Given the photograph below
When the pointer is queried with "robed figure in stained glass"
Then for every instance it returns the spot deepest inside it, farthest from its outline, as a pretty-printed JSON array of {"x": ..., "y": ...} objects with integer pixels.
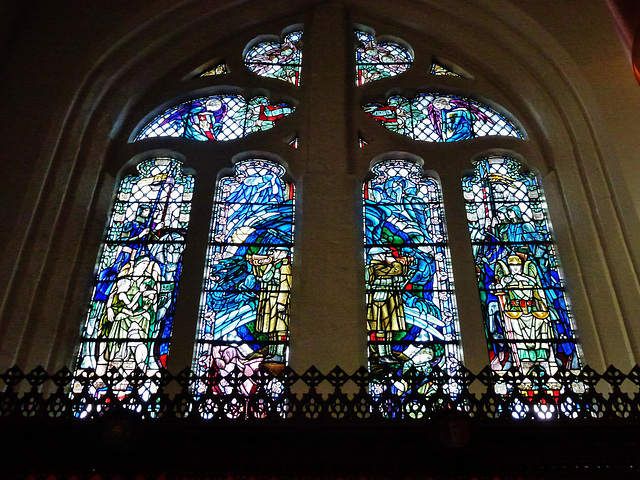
[
  {"x": 453, "y": 118},
  {"x": 273, "y": 272},
  {"x": 439, "y": 117},
  {"x": 216, "y": 118},
  {"x": 524, "y": 308},
  {"x": 527, "y": 320},
  {"x": 131, "y": 314},
  {"x": 387, "y": 275},
  {"x": 411, "y": 311},
  {"x": 245, "y": 309}
]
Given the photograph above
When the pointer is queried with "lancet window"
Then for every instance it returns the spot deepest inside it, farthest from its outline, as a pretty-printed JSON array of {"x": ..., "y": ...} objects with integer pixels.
[
  {"x": 245, "y": 308},
  {"x": 130, "y": 319},
  {"x": 412, "y": 317},
  {"x": 527, "y": 320}
]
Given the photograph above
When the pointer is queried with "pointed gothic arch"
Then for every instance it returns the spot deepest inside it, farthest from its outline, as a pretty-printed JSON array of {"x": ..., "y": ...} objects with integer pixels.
[{"x": 532, "y": 77}]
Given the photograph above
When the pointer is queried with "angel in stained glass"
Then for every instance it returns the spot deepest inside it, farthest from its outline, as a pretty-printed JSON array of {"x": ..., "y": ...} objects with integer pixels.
[
  {"x": 376, "y": 61},
  {"x": 281, "y": 61},
  {"x": 525, "y": 312},
  {"x": 453, "y": 118},
  {"x": 204, "y": 121}
]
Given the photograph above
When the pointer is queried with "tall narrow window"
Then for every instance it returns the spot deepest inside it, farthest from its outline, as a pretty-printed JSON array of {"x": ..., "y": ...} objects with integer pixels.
[
  {"x": 527, "y": 322},
  {"x": 244, "y": 319},
  {"x": 131, "y": 312},
  {"x": 411, "y": 310}
]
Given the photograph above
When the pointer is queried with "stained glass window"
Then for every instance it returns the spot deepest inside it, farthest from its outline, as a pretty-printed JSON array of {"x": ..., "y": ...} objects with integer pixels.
[
  {"x": 375, "y": 61},
  {"x": 277, "y": 60},
  {"x": 411, "y": 310},
  {"x": 294, "y": 142},
  {"x": 131, "y": 312},
  {"x": 219, "y": 69},
  {"x": 437, "y": 69},
  {"x": 244, "y": 319},
  {"x": 362, "y": 142},
  {"x": 527, "y": 319},
  {"x": 216, "y": 118},
  {"x": 434, "y": 117}
]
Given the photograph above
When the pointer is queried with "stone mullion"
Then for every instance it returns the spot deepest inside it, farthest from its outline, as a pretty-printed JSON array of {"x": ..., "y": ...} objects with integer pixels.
[
  {"x": 327, "y": 325},
  {"x": 464, "y": 272},
  {"x": 193, "y": 264}
]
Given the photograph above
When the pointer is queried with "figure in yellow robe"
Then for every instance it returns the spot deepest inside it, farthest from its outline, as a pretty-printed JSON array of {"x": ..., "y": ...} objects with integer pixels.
[
  {"x": 273, "y": 271},
  {"x": 386, "y": 277}
]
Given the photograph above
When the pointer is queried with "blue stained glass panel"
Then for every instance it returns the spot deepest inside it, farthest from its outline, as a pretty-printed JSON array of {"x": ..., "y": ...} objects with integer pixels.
[
  {"x": 130, "y": 316},
  {"x": 527, "y": 319},
  {"x": 277, "y": 60},
  {"x": 375, "y": 61},
  {"x": 411, "y": 309},
  {"x": 434, "y": 117},
  {"x": 245, "y": 309},
  {"x": 216, "y": 118}
]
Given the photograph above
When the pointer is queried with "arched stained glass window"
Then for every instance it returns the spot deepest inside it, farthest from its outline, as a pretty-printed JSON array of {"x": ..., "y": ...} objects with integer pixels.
[
  {"x": 131, "y": 312},
  {"x": 216, "y": 118},
  {"x": 375, "y": 61},
  {"x": 527, "y": 319},
  {"x": 277, "y": 60},
  {"x": 244, "y": 319},
  {"x": 434, "y": 117},
  {"x": 412, "y": 317}
]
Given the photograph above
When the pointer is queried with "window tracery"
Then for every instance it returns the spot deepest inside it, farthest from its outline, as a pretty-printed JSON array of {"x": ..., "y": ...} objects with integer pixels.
[
  {"x": 277, "y": 60},
  {"x": 216, "y": 118},
  {"x": 435, "y": 117},
  {"x": 244, "y": 316}
]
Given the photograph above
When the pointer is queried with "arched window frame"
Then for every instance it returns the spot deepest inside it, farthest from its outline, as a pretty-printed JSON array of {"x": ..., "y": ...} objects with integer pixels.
[
  {"x": 209, "y": 159},
  {"x": 445, "y": 161},
  {"x": 552, "y": 151},
  {"x": 426, "y": 58}
]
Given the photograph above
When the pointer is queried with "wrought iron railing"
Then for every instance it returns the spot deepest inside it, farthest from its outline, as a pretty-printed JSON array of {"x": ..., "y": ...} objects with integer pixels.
[{"x": 584, "y": 394}]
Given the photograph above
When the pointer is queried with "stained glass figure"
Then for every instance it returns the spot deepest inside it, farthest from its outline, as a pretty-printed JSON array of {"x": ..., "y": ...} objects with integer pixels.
[
  {"x": 411, "y": 309},
  {"x": 219, "y": 69},
  {"x": 434, "y": 117},
  {"x": 527, "y": 321},
  {"x": 437, "y": 69},
  {"x": 375, "y": 61},
  {"x": 216, "y": 118},
  {"x": 277, "y": 60},
  {"x": 130, "y": 317},
  {"x": 245, "y": 309}
]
